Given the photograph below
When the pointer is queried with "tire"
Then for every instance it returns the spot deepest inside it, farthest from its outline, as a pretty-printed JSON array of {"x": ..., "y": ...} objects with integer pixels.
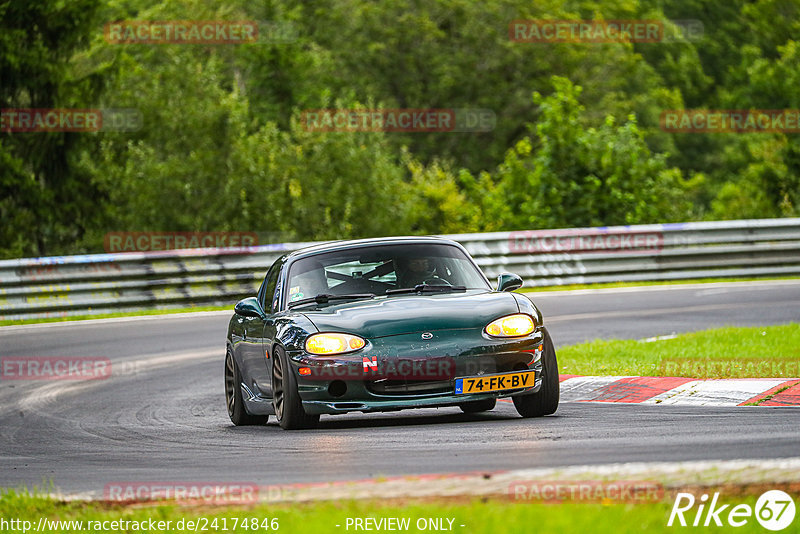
[
  {"x": 478, "y": 406},
  {"x": 288, "y": 407},
  {"x": 545, "y": 401},
  {"x": 233, "y": 396}
]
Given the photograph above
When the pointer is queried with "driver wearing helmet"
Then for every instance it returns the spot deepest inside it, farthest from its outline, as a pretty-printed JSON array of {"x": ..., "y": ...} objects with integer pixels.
[{"x": 414, "y": 271}]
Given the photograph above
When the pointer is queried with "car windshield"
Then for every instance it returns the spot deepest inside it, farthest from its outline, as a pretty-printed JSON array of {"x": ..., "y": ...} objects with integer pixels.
[{"x": 378, "y": 269}]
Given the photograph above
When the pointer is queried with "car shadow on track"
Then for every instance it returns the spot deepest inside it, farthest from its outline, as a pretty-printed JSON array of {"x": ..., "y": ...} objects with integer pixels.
[{"x": 393, "y": 420}]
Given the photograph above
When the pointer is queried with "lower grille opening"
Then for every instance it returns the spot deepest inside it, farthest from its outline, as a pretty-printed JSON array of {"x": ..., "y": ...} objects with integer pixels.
[
  {"x": 409, "y": 387},
  {"x": 347, "y": 405}
]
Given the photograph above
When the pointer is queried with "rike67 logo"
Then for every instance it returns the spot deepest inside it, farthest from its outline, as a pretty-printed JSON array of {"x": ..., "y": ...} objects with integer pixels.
[{"x": 774, "y": 510}]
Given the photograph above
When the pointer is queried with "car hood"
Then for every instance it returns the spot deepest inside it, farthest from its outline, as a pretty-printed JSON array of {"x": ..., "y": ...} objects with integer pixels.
[{"x": 403, "y": 314}]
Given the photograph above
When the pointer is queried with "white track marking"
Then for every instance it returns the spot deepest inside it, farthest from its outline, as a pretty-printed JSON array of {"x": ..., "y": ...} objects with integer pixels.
[
  {"x": 747, "y": 285},
  {"x": 750, "y": 285},
  {"x": 658, "y": 338},
  {"x": 729, "y": 392},
  {"x": 670, "y": 475},
  {"x": 581, "y": 387},
  {"x": 653, "y": 311},
  {"x": 114, "y": 320},
  {"x": 41, "y": 398}
]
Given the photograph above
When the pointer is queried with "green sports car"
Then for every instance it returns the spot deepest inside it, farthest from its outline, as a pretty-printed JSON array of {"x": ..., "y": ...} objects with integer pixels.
[{"x": 382, "y": 325}]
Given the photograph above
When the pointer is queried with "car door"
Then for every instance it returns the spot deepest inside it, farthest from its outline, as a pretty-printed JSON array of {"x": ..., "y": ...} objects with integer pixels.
[
  {"x": 256, "y": 370},
  {"x": 271, "y": 304}
]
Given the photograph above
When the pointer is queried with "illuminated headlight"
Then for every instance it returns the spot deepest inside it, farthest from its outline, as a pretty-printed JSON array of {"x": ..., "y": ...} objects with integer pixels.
[
  {"x": 331, "y": 343},
  {"x": 515, "y": 325}
]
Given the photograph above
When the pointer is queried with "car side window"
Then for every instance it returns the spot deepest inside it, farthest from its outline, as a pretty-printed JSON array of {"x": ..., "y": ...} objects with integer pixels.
[
  {"x": 266, "y": 297},
  {"x": 276, "y": 298}
]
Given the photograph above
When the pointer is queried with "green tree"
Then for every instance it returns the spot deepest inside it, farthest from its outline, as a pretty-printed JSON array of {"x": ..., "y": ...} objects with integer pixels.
[
  {"x": 567, "y": 175},
  {"x": 45, "y": 201}
]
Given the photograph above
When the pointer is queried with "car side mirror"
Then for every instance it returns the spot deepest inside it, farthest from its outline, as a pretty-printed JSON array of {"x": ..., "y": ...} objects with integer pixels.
[
  {"x": 508, "y": 282},
  {"x": 249, "y": 307}
]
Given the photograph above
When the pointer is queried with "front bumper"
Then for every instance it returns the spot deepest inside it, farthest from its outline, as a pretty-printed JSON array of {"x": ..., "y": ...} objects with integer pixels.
[{"x": 404, "y": 371}]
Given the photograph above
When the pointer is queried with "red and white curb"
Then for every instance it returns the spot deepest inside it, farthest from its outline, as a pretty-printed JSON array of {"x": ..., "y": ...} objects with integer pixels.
[
  {"x": 681, "y": 391},
  {"x": 667, "y": 475}
]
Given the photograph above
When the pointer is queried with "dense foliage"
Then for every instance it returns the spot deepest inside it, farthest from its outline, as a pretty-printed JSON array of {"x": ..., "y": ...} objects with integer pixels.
[{"x": 577, "y": 140}]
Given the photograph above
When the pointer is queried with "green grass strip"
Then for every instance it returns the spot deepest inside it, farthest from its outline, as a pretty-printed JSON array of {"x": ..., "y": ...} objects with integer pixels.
[
  {"x": 477, "y": 516},
  {"x": 758, "y": 352}
]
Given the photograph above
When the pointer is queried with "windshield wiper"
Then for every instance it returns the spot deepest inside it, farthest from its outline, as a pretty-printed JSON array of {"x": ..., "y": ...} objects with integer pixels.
[
  {"x": 422, "y": 288},
  {"x": 324, "y": 298}
]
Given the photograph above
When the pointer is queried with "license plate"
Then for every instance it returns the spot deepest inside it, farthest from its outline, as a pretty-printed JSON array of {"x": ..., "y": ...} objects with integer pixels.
[{"x": 482, "y": 384}]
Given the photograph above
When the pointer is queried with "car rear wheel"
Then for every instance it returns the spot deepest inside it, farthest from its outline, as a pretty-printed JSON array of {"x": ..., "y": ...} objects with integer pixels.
[
  {"x": 478, "y": 406},
  {"x": 288, "y": 407},
  {"x": 233, "y": 396},
  {"x": 545, "y": 401}
]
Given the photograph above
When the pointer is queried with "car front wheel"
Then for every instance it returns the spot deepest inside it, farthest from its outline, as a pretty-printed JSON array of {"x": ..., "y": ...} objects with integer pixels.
[
  {"x": 233, "y": 396},
  {"x": 545, "y": 401},
  {"x": 288, "y": 407}
]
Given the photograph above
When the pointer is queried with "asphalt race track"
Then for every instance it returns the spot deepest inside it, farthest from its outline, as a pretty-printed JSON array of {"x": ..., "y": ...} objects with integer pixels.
[{"x": 161, "y": 415}]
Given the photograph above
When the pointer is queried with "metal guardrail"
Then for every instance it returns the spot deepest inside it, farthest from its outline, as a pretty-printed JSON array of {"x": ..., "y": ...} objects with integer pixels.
[{"x": 133, "y": 281}]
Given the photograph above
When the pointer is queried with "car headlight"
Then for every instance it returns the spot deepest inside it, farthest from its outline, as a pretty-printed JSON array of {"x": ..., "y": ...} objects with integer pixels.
[
  {"x": 515, "y": 325},
  {"x": 330, "y": 343}
]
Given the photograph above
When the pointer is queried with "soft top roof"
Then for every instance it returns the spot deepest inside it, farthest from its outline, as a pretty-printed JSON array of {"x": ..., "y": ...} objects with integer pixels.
[{"x": 355, "y": 243}]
